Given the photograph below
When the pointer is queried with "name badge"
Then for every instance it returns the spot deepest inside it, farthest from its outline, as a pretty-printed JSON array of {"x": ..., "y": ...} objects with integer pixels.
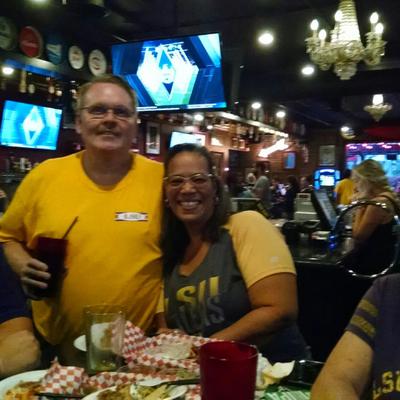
[{"x": 130, "y": 216}]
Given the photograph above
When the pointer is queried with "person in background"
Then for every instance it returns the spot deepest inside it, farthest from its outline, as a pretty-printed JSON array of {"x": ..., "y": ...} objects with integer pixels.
[
  {"x": 365, "y": 362},
  {"x": 290, "y": 196},
  {"x": 251, "y": 178},
  {"x": 344, "y": 189},
  {"x": 372, "y": 229},
  {"x": 19, "y": 350},
  {"x": 306, "y": 184},
  {"x": 261, "y": 187},
  {"x": 3, "y": 201},
  {"x": 113, "y": 249},
  {"x": 225, "y": 277}
]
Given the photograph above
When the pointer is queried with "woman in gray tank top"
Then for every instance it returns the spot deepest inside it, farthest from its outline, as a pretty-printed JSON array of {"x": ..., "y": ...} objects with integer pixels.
[{"x": 227, "y": 276}]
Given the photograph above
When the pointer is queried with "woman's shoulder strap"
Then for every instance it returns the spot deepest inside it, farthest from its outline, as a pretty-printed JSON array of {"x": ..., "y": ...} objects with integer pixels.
[{"x": 394, "y": 203}]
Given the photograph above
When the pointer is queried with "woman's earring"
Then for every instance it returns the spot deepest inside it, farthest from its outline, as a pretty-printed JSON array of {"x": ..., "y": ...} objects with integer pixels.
[
  {"x": 216, "y": 199},
  {"x": 166, "y": 202}
]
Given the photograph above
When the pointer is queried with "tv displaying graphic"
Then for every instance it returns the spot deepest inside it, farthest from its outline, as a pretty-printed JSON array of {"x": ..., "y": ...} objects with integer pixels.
[
  {"x": 30, "y": 125},
  {"x": 171, "y": 74},
  {"x": 386, "y": 153},
  {"x": 182, "y": 137}
]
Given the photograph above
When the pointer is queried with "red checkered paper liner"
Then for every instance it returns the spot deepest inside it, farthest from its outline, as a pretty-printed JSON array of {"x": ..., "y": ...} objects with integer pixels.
[
  {"x": 141, "y": 350},
  {"x": 73, "y": 380},
  {"x": 59, "y": 379}
]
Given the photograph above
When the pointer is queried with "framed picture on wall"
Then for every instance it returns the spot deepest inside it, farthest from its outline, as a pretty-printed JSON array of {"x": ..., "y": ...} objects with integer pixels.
[
  {"x": 218, "y": 159},
  {"x": 152, "y": 138},
  {"x": 289, "y": 160},
  {"x": 327, "y": 155}
]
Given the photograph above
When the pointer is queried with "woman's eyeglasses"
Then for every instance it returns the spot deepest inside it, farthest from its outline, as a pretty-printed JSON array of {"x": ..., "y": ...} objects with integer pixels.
[
  {"x": 100, "y": 111},
  {"x": 197, "y": 180}
]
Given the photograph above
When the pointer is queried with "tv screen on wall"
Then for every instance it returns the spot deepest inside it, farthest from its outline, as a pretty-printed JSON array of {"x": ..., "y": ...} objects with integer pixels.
[
  {"x": 182, "y": 137},
  {"x": 171, "y": 74},
  {"x": 30, "y": 125}
]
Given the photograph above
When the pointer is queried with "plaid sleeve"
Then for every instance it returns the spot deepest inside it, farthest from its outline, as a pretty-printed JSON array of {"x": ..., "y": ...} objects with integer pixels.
[{"x": 364, "y": 320}]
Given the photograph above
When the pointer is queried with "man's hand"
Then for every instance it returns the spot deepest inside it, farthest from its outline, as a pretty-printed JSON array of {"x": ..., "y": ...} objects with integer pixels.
[{"x": 33, "y": 275}]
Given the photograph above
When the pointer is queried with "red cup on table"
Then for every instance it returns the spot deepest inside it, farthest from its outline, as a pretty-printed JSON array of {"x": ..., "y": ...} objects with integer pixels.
[
  {"x": 228, "y": 370},
  {"x": 52, "y": 252}
]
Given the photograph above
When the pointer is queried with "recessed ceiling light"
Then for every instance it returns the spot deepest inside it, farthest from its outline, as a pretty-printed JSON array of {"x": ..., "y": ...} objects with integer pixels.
[
  {"x": 345, "y": 129},
  {"x": 308, "y": 70},
  {"x": 209, "y": 127},
  {"x": 281, "y": 114},
  {"x": 256, "y": 105},
  {"x": 266, "y": 38},
  {"x": 198, "y": 117},
  {"x": 7, "y": 70}
]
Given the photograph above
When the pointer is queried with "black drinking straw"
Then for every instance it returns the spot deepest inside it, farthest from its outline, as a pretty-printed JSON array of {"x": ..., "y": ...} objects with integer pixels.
[{"x": 70, "y": 227}]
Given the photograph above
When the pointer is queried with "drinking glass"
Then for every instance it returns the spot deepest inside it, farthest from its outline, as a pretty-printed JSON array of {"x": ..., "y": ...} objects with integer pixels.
[
  {"x": 52, "y": 252},
  {"x": 228, "y": 370},
  {"x": 104, "y": 329}
]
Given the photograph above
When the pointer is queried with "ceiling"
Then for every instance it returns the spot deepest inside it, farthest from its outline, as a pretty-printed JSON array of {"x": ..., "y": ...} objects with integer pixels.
[{"x": 270, "y": 75}]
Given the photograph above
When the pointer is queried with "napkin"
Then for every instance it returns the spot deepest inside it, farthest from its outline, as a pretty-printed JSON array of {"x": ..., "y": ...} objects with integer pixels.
[{"x": 269, "y": 374}]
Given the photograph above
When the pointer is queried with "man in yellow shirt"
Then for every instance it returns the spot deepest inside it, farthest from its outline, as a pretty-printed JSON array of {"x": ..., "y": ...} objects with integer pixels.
[
  {"x": 344, "y": 189},
  {"x": 113, "y": 255}
]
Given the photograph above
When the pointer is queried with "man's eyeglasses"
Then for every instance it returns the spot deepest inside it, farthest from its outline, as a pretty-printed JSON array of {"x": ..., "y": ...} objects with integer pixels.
[
  {"x": 197, "y": 180},
  {"x": 100, "y": 111}
]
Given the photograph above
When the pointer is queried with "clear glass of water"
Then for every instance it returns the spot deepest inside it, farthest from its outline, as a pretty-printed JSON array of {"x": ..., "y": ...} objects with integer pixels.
[{"x": 104, "y": 329}]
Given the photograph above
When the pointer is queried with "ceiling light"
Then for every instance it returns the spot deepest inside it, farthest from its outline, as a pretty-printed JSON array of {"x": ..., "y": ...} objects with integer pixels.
[
  {"x": 347, "y": 132},
  {"x": 279, "y": 145},
  {"x": 280, "y": 114},
  {"x": 378, "y": 108},
  {"x": 345, "y": 129},
  {"x": 198, "y": 117},
  {"x": 256, "y": 105},
  {"x": 7, "y": 70},
  {"x": 209, "y": 127},
  {"x": 308, "y": 70},
  {"x": 266, "y": 38},
  {"x": 345, "y": 49}
]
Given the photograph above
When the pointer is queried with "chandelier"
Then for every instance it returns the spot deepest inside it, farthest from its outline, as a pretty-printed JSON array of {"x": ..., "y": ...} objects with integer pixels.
[
  {"x": 345, "y": 49},
  {"x": 378, "y": 108}
]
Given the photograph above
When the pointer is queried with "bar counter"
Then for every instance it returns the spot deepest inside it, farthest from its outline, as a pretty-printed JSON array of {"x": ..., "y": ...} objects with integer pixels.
[{"x": 328, "y": 296}]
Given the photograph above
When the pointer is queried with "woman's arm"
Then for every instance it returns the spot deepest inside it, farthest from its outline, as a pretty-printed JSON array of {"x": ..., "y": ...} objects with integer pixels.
[
  {"x": 274, "y": 306},
  {"x": 347, "y": 371},
  {"x": 19, "y": 350}
]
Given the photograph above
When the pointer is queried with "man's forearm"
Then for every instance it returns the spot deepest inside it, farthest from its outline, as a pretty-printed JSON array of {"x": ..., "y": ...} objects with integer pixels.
[
  {"x": 334, "y": 389},
  {"x": 16, "y": 255}
]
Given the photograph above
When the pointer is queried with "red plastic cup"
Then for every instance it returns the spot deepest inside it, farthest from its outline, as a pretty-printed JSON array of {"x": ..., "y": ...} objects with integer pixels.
[
  {"x": 52, "y": 252},
  {"x": 228, "y": 370}
]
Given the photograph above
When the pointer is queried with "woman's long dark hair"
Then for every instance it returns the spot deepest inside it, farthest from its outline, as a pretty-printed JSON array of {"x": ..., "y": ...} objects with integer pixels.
[{"x": 174, "y": 237}]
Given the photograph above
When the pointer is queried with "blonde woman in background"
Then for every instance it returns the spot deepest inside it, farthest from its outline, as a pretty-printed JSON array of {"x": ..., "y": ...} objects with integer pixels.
[
  {"x": 373, "y": 224},
  {"x": 374, "y": 241}
]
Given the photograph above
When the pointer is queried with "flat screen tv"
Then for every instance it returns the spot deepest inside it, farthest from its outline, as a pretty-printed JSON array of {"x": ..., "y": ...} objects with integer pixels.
[
  {"x": 30, "y": 125},
  {"x": 182, "y": 137},
  {"x": 171, "y": 74},
  {"x": 386, "y": 153}
]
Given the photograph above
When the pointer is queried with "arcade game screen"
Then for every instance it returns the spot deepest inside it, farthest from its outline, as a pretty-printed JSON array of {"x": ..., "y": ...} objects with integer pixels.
[{"x": 388, "y": 154}]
